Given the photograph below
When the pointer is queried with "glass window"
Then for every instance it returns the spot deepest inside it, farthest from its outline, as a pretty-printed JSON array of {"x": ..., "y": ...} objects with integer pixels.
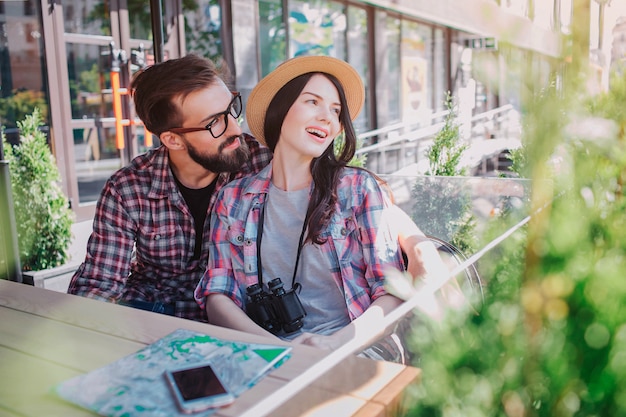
[
  {"x": 88, "y": 67},
  {"x": 358, "y": 53},
  {"x": 272, "y": 40},
  {"x": 439, "y": 71},
  {"x": 417, "y": 76},
  {"x": 518, "y": 7},
  {"x": 388, "y": 74},
  {"x": 317, "y": 27},
  {"x": 95, "y": 159},
  {"x": 140, "y": 20},
  {"x": 87, "y": 18},
  {"x": 22, "y": 67},
  {"x": 544, "y": 13},
  {"x": 513, "y": 76},
  {"x": 565, "y": 18},
  {"x": 203, "y": 25}
]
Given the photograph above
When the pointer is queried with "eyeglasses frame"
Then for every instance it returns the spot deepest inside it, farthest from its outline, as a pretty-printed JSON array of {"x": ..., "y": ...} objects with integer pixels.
[{"x": 225, "y": 114}]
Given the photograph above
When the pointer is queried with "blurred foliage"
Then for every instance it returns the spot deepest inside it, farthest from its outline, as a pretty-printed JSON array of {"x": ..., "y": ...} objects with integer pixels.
[
  {"x": 443, "y": 208},
  {"x": 42, "y": 214},
  {"x": 611, "y": 106},
  {"x": 357, "y": 160},
  {"x": 20, "y": 104},
  {"x": 551, "y": 337}
]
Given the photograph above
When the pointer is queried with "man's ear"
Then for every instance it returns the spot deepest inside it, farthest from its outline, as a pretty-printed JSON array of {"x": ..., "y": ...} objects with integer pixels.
[{"x": 171, "y": 141}]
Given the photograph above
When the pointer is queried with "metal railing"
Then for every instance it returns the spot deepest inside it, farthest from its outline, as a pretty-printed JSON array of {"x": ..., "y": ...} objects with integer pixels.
[{"x": 402, "y": 144}]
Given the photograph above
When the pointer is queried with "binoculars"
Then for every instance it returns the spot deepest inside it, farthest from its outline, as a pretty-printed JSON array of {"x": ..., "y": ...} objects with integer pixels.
[{"x": 276, "y": 310}]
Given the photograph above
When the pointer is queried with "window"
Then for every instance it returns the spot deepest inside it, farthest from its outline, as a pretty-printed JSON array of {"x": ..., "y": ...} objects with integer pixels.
[
  {"x": 202, "y": 30},
  {"x": 358, "y": 53},
  {"x": 416, "y": 67},
  {"x": 272, "y": 39},
  {"x": 317, "y": 27},
  {"x": 387, "y": 68},
  {"x": 439, "y": 70}
]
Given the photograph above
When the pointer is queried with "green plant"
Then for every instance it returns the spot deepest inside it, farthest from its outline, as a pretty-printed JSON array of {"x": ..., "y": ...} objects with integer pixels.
[
  {"x": 42, "y": 212},
  {"x": 445, "y": 153},
  {"x": 551, "y": 339},
  {"x": 442, "y": 207},
  {"x": 357, "y": 160}
]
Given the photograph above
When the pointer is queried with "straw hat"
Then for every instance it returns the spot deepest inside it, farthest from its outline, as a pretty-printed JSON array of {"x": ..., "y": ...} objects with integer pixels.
[{"x": 264, "y": 92}]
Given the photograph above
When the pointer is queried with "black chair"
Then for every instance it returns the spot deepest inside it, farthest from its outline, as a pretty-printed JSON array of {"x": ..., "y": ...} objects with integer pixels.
[{"x": 467, "y": 282}]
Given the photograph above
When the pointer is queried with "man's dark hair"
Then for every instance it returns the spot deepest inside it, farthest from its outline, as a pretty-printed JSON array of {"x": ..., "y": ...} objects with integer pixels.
[{"x": 155, "y": 89}]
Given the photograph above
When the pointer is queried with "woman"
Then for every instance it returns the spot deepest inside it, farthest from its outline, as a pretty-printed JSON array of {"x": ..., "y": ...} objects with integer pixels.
[{"x": 322, "y": 227}]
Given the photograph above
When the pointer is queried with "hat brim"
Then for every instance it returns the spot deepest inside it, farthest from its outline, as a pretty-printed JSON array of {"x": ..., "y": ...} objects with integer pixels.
[{"x": 261, "y": 95}]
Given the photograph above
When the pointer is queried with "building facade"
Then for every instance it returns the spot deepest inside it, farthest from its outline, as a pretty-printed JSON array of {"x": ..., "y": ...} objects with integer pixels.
[{"x": 74, "y": 59}]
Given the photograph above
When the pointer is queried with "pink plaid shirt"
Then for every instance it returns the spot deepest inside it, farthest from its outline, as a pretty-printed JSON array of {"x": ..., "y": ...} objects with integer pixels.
[{"x": 360, "y": 246}]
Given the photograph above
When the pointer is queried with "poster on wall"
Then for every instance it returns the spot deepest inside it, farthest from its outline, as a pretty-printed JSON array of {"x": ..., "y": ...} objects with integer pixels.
[{"x": 414, "y": 89}]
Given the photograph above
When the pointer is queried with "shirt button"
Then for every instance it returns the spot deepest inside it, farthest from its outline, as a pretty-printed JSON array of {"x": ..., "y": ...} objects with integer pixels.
[
  {"x": 157, "y": 237},
  {"x": 248, "y": 242},
  {"x": 344, "y": 231},
  {"x": 239, "y": 238}
]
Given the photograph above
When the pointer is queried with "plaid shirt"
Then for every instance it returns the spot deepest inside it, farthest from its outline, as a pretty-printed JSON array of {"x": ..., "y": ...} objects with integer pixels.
[
  {"x": 143, "y": 237},
  {"x": 360, "y": 244}
]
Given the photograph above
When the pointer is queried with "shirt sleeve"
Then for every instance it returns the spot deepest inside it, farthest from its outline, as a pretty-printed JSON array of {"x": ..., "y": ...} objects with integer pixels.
[
  {"x": 380, "y": 242},
  {"x": 106, "y": 267},
  {"x": 219, "y": 277},
  {"x": 260, "y": 155}
]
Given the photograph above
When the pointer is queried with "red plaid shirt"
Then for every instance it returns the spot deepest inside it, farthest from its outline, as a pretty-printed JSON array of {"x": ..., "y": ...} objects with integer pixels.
[{"x": 143, "y": 237}]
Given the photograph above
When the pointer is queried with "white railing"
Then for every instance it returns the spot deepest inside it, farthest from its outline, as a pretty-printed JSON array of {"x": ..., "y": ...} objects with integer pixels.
[{"x": 402, "y": 144}]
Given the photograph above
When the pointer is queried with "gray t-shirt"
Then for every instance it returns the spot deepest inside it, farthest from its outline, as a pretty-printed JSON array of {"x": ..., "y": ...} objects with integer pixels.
[{"x": 321, "y": 297}]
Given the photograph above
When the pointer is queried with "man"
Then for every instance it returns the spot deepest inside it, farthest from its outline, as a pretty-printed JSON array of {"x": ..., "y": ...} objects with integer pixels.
[{"x": 149, "y": 246}]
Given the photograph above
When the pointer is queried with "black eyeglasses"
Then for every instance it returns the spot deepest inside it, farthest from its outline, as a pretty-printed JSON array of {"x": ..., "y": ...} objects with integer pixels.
[{"x": 218, "y": 125}]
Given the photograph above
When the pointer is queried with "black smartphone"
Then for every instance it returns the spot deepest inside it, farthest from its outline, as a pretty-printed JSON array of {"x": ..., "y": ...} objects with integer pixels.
[{"x": 197, "y": 387}]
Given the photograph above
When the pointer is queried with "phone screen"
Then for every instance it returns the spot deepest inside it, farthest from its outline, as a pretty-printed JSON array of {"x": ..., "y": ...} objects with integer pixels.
[
  {"x": 198, "y": 383},
  {"x": 197, "y": 388}
]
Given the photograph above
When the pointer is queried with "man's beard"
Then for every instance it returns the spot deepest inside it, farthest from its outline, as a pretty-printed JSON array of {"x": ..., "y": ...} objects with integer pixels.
[{"x": 221, "y": 162}]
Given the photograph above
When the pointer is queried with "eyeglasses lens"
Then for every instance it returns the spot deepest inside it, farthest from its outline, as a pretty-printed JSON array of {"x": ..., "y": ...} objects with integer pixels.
[{"x": 221, "y": 124}]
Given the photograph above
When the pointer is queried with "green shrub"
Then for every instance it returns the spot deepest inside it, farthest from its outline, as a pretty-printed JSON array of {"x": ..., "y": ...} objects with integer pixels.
[
  {"x": 442, "y": 206},
  {"x": 42, "y": 212},
  {"x": 551, "y": 338},
  {"x": 444, "y": 156}
]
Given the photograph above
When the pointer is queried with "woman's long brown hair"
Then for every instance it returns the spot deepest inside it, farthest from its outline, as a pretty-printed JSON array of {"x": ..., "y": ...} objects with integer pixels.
[{"x": 326, "y": 168}]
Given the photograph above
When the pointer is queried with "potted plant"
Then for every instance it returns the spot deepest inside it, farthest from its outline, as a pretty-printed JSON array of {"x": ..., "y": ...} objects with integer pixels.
[
  {"x": 442, "y": 208},
  {"x": 42, "y": 213}
]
